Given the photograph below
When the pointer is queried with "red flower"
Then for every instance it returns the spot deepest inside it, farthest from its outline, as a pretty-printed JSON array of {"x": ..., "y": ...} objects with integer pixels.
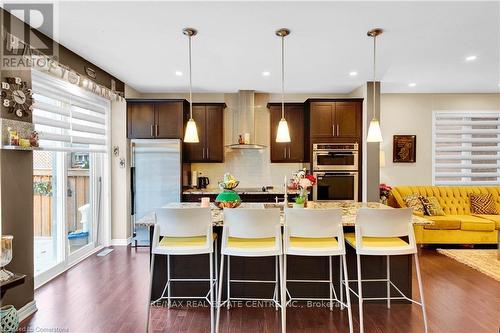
[{"x": 311, "y": 178}]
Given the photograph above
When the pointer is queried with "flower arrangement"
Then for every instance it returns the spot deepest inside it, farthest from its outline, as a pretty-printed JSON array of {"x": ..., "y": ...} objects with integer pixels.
[
  {"x": 302, "y": 181},
  {"x": 385, "y": 191}
]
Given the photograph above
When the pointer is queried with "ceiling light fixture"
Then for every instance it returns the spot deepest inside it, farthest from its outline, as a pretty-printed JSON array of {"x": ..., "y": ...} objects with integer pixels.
[
  {"x": 353, "y": 73},
  {"x": 471, "y": 58},
  {"x": 266, "y": 73},
  {"x": 283, "y": 134},
  {"x": 191, "y": 135},
  {"x": 412, "y": 84},
  {"x": 374, "y": 131},
  {"x": 178, "y": 73}
]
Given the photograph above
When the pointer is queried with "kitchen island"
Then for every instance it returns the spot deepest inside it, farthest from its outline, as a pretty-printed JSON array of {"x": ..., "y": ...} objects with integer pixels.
[{"x": 300, "y": 267}]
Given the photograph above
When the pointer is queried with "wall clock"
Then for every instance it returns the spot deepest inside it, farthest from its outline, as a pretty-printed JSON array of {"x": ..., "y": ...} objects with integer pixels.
[{"x": 17, "y": 97}]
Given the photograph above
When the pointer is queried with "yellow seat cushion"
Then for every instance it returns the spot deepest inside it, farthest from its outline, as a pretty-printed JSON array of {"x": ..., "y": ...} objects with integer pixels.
[
  {"x": 447, "y": 222},
  {"x": 197, "y": 241},
  {"x": 494, "y": 218},
  {"x": 474, "y": 223},
  {"x": 251, "y": 243},
  {"x": 312, "y": 243},
  {"x": 376, "y": 241}
]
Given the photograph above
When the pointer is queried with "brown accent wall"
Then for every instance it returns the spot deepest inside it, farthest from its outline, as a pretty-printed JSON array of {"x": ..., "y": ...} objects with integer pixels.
[{"x": 16, "y": 186}]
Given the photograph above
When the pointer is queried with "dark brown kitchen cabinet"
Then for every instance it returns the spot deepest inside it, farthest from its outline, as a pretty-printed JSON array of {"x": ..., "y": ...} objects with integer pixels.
[
  {"x": 156, "y": 119},
  {"x": 340, "y": 119},
  {"x": 291, "y": 151},
  {"x": 209, "y": 118}
]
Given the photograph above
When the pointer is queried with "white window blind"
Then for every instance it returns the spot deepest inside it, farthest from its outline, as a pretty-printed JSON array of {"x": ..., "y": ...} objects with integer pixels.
[
  {"x": 67, "y": 117},
  {"x": 466, "y": 148}
]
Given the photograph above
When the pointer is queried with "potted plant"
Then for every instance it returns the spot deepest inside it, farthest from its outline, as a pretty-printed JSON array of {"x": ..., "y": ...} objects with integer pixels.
[
  {"x": 302, "y": 181},
  {"x": 385, "y": 191}
]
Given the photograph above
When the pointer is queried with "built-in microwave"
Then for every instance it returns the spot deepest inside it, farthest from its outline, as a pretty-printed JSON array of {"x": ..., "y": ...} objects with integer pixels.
[
  {"x": 335, "y": 156},
  {"x": 336, "y": 185}
]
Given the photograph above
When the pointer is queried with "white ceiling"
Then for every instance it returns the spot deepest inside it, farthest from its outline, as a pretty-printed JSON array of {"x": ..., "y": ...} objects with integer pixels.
[{"x": 426, "y": 43}]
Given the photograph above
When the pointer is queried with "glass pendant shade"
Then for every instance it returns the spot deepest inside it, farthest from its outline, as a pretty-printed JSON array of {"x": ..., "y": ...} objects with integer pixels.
[
  {"x": 283, "y": 135},
  {"x": 374, "y": 132},
  {"x": 191, "y": 135}
]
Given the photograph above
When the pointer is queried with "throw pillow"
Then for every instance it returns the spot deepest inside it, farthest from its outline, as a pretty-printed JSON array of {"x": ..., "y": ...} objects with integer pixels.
[
  {"x": 432, "y": 206},
  {"x": 413, "y": 201},
  {"x": 483, "y": 204}
]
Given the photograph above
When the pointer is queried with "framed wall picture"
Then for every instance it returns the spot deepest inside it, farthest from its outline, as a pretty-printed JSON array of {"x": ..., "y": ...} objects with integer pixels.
[{"x": 404, "y": 148}]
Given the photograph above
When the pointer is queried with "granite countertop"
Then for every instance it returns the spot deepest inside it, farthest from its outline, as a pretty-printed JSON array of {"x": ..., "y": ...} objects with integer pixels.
[
  {"x": 239, "y": 191},
  {"x": 349, "y": 210}
]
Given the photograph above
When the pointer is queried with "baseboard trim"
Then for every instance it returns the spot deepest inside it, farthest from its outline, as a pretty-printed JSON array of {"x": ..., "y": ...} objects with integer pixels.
[
  {"x": 121, "y": 241},
  {"x": 27, "y": 310}
]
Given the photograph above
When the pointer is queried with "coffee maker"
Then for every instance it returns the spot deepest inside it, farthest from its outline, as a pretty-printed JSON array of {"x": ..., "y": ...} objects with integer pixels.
[{"x": 203, "y": 182}]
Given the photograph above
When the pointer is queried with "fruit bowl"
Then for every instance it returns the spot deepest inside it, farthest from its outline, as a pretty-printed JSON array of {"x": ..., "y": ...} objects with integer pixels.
[{"x": 229, "y": 186}]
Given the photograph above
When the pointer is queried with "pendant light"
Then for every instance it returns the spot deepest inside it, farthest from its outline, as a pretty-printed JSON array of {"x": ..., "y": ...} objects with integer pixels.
[
  {"x": 191, "y": 134},
  {"x": 374, "y": 131},
  {"x": 283, "y": 134}
]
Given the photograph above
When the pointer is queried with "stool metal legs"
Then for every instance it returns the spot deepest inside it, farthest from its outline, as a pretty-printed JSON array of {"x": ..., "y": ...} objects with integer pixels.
[
  {"x": 347, "y": 291},
  {"x": 389, "y": 286},
  {"x": 360, "y": 294},
  {"x": 388, "y": 282},
  {"x": 421, "y": 290},
  {"x": 148, "y": 303}
]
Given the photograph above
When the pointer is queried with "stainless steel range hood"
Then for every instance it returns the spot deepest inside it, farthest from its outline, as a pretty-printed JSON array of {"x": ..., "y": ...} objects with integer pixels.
[{"x": 244, "y": 120}]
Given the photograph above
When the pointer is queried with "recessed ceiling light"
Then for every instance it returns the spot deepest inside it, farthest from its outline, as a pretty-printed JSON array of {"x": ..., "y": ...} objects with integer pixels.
[
  {"x": 353, "y": 73},
  {"x": 266, "y": 73},
  {"x": 412, "y": 84},
  {"x": 471, "y": 58},
  {"x": 178, "y": 73}
]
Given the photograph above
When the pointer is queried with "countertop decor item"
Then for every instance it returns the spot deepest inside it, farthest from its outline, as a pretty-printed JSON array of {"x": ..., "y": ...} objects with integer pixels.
[
  {"x": 302, "y": 181},
  {"x": 9, "y": 319},
  {"x": 228, "y": 198},
  {"x": 5, "y": 257}
]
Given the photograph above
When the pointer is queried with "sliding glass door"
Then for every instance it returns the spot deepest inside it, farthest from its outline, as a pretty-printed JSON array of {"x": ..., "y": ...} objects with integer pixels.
[{"x": 68, "y": 174}]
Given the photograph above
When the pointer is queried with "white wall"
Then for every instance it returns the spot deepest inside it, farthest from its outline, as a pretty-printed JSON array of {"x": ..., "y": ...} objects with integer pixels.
[
  {"x": 412, "y": 114},
  {"x": 120, "y": 177}
]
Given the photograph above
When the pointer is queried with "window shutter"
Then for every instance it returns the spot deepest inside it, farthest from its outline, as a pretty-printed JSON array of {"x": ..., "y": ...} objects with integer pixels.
[
  {"x": 466, "y": 148},
  {"x": 67, "y": 117}
]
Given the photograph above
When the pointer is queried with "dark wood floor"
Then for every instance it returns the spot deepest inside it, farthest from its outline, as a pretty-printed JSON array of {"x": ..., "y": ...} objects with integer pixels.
[{"x": 108, "y": 294}]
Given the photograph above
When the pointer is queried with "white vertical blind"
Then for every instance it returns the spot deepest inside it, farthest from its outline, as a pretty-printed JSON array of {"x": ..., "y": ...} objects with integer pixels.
[
  {"x": 67, "y": 117},
  {"x": 466, "y": 148}
]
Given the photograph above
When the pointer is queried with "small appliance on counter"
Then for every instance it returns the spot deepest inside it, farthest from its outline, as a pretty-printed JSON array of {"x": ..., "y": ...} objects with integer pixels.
[
  {"x": 194, "y": 179},
  {"x": 203, "y": 182}
]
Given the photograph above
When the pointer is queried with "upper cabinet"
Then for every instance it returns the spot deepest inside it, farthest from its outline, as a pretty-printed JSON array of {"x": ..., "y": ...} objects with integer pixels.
[
  {"x": 156, "y": 119},
  {"x": 294, "y": 151},
  {"x": 209, "y": 118},
  {"x": 335, "y": 120}
]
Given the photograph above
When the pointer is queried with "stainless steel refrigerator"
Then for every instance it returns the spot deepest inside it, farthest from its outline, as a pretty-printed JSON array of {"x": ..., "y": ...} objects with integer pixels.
[{"x": 156, "y": 180}]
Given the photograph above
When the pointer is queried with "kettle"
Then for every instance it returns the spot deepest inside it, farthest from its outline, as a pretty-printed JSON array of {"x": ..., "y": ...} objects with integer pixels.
[{"x": 203, "y": 182}]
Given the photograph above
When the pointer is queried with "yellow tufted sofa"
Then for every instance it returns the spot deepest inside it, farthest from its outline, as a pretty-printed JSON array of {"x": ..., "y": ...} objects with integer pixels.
[{"x": 460, "y": 225}]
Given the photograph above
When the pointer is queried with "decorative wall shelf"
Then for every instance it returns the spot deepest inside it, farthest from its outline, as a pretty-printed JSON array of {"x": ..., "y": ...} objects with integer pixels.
[
  {"x": 15, "y": 280},
  {"x": 7, "y": 147}
]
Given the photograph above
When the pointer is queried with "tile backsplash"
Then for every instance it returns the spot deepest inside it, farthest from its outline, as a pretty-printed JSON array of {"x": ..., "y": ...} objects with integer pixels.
[{"x": 250, "y": 166}]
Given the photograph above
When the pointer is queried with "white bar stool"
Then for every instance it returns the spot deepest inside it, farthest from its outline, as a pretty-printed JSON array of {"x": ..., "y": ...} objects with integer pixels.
[
  {"x": 378, "y": 232},
  {"x": 185, "y": 231},
  {"x": 251, "y": 232},
  {"x": 317, "y": 232}
]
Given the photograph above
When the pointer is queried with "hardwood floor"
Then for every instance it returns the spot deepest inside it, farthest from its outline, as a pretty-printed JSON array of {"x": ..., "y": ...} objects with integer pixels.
[{"x": 108, "y": 294}]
